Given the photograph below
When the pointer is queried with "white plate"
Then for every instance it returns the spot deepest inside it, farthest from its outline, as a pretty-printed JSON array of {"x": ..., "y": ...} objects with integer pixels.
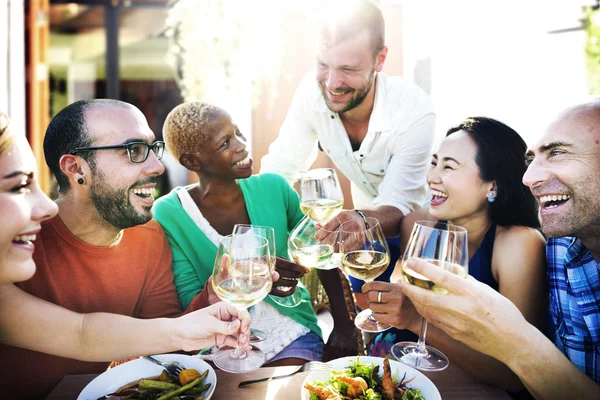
[
  {"x": 421, "y": 382},
  {"x": 130, "y": 371}
]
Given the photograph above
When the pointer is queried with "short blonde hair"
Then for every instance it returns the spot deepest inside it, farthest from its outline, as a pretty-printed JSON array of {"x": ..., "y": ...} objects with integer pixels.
[
  {"x": 7, "y": 135},
  {"x": 189, "y": 126}
]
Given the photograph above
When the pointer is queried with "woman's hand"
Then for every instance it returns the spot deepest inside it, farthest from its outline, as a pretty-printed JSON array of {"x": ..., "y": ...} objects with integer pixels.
[
  {"x": 288, "y": 275},
  {"x": 391, "y": 306},
  {"x": 217, "y": 324}
]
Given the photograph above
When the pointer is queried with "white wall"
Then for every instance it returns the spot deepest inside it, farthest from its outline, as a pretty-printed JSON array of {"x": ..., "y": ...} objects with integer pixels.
[{"x": 496, "y": 58}]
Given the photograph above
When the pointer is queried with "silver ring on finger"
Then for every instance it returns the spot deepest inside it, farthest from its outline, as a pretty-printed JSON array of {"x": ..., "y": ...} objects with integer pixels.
[{"x": 379, "y": 296}]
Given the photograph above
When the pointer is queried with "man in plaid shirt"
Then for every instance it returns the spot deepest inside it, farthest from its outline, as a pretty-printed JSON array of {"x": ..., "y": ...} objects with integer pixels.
[{"x": 564, "y": 175}]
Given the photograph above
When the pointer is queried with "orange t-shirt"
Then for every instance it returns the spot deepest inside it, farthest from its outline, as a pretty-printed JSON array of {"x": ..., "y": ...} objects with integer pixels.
[{"x": 132, "y": 277}]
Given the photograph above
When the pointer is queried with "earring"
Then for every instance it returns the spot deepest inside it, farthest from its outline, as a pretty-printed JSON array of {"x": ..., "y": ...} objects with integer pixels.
[
  {"x": 491, "y": 197},
  {"x": 80, "y": 181}
]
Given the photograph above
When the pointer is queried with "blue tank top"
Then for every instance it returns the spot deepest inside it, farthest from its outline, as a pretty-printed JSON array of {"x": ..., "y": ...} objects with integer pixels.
[{"x": 480, "y": 266}]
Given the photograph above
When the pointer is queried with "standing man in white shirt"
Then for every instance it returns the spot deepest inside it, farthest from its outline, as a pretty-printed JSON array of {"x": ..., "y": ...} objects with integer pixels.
[{"x": 377, "y": 129}]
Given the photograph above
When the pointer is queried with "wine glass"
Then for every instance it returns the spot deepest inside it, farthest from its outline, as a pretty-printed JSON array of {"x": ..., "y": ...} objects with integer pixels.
[
  {"x": 242, "y": 277},
  {"x": 365, "y": 256},
  {"x": 444, "y": 245},
  {"x": 321, "y": 197},
  {"x": 268, "y": 233},
  {"x": 305, "y": 249}
]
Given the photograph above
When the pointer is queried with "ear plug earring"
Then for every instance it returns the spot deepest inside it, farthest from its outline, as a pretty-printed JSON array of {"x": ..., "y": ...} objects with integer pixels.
[{"x": 80, "y": 181}]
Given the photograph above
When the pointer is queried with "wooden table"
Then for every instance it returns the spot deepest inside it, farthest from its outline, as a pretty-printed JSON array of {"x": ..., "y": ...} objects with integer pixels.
[{"x": 453, "y": 384}]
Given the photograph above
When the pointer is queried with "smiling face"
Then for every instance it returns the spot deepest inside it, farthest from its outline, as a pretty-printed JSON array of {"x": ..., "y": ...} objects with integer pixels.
[
  {"x": 458, "y": 192},
  {"x": 23, "y": 207},
  {"x": 563, "y": 174},
  {"x": 121, "y": 191},
  {"x": 346, "y": 71},
  {"x": 224, "y": 154}
]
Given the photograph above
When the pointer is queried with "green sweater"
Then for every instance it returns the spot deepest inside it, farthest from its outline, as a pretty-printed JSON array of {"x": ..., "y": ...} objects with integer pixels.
[{"x": 270, "y": 201}]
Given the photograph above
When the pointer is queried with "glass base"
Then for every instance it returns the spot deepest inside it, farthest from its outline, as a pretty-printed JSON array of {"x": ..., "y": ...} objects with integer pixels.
[
  {"x": 257, "y": 336},
  {"x": 290, "y": 301},
  {"x": 366, "y": 322},
  {"x": 431, "y": 360},
  {"x": 225, "y": 360}
]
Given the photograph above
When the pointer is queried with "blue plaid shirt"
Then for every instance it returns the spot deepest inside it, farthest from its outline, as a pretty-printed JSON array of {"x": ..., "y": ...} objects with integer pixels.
[{"x": 573, "y": 276}]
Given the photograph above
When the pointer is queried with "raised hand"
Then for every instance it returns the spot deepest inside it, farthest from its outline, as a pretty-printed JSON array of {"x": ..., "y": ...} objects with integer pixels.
[
  {"x": 289, "y": 273},
  {"x": 391, "y": 306},
  {"x": 217, "y": 324}
]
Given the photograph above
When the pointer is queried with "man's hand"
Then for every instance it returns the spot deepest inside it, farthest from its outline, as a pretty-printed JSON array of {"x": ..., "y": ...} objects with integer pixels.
[
  {"x": 471, "y": 312},
  {"x": 289, "y": 273},
  {"x": 341, "y": 343},
  {"x": 391, "y": 306},
  {"x": 335, "y": 223},
  {"x": 212, "y": 326}
]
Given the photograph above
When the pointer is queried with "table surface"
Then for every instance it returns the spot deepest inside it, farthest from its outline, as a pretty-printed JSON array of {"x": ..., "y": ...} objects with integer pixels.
[{"x": 453, "y": 384}]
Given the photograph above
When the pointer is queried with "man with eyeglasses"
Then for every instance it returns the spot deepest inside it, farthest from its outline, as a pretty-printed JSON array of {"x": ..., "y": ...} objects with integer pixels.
[{"x": 103, "y": 252}]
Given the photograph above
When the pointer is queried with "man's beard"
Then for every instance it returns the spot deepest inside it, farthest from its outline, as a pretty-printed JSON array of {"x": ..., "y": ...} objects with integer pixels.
[
  {"x": 114, "y": 205},
  {"x": 359, "y": 95}
]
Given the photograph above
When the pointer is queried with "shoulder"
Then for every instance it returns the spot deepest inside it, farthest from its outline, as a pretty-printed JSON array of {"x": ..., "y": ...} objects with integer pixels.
[
  {"x": 518, "y": 249},
  {"x": 149, "y": 230},
  {"x": 308, "y": 94},
  {"x": 168, "y": 202},
  {"x": 405, "y": 94},
  {"x": 267, "y": 180},
  {"x": 519, "y": 236}
]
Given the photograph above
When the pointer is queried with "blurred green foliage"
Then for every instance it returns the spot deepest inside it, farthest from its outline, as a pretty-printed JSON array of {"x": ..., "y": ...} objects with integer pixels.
[{"x": 592, "y": 49}]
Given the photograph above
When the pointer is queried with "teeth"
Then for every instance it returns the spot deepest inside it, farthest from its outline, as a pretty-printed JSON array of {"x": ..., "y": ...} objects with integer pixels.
[
  {"x": 143, "y": 191},
  {"x": 243, "y": 162},
  {"x": 438, "y": 193},
  {"x": 338, "y": 93},
  {"x": 560, "y": 197},
  {"x": 24, "y": 238}
]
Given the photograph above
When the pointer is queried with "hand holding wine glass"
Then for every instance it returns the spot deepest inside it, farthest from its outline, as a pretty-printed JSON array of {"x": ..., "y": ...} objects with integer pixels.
[
  {"x": 444, "y": 245},
  {"x": 242, "y": 277},
  {"x": 365, "y": 255}
]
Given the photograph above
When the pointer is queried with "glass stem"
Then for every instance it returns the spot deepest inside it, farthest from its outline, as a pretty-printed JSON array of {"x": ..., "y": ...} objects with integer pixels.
[
  {"x": 239, "y": 352},
  {"x": 421, "y": 351}
]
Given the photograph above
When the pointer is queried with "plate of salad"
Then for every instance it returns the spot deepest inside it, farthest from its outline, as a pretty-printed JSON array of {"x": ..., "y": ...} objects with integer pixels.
[{"x": 368, "y": 378}]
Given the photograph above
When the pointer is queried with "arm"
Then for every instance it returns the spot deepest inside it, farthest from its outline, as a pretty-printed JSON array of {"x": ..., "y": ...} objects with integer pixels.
[
  {"x": 192, "y": 292},
  {"x": 341, "y": 342},
  {"x": 29, "y": 322},
  {"x": 488, "y": 322},
  {"x": 519, "y": 260},
  {"x": 295, "y": 149}
]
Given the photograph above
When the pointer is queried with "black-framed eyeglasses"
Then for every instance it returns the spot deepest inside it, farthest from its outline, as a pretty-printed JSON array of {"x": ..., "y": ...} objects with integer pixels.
[{"x": 137, "y": 151}]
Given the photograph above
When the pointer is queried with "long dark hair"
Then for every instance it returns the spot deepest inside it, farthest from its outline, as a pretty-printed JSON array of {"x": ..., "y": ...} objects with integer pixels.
[{"x": 500, "y": 158}]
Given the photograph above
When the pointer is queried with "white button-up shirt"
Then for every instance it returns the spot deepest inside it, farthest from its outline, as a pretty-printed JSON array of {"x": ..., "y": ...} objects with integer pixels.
[{"x": 389, "y": 167}]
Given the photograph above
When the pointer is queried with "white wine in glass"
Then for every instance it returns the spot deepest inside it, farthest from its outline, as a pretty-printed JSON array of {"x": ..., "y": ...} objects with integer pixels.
[
  {"x": 321, "y": 197},
  {"x": 444, "y": 245},
  {"x": 305, "y": 249},
  {"x": 321, "y": 210},
  {"x": 365, "y": 255},
  {"x": 293, "y": 299},
  {"x": 241, "y": 276}
]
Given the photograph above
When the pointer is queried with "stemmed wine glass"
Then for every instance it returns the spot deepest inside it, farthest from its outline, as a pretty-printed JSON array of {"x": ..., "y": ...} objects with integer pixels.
[
  {"x": 444, "y": 245},
  {"x": 256, "y": 335},
  {"x": 321, "y": 197},
  {"x": 365, "y": 256},
  {"x": 241, "y": 276}
]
